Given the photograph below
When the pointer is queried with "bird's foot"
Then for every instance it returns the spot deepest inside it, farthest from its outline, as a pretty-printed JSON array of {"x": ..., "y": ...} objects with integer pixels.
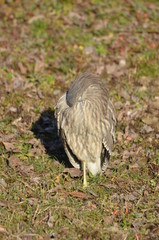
[
  {"x": 85, "y": 184},
  {"x": 84, "y": 175}
]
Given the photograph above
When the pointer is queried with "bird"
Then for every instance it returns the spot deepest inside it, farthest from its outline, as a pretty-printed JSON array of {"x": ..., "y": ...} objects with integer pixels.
[{"x": 86, "y": 123}]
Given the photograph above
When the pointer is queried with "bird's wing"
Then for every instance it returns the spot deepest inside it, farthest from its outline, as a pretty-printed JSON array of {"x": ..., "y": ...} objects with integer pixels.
[
  {"x": 108, "y": 136},
  {"x": 59, "y": 110},
  {"x": 62, "y": 111}
]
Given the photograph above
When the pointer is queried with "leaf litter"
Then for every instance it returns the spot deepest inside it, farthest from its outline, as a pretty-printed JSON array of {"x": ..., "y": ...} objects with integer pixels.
[{"x": 42, "y": 50}]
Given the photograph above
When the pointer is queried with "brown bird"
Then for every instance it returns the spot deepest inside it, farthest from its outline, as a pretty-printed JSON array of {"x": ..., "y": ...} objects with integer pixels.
[{"x": 86, "y": 123}]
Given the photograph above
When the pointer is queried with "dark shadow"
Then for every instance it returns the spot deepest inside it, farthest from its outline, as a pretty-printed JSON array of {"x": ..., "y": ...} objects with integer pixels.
[{"x": 45, "y": 129}]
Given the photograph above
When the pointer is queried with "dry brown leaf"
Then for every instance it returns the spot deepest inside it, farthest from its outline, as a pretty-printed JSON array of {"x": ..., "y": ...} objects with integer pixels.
[
  {"x": 150, "y": 119},
  {"x": 51, "y": 221},
  {"x": 58, "y": 188},
  {"x": 35, "y": 151},
  {"x": 100, "y": 24},
  {"x": 74, "y": 172},
  {"x": 17, "y": 121},
  {"x": 153, "y": 169},
  {"x": 35, "y": 18},
  {"x": 80, "y": 195},
  {"x": 2, "y": 229},
  {"x": 108, "y": 220},
  {"x": 3, "y": 183},
  {"x": 90, "y": 205},
  {"x": 125, "y": 94},
  {"x": 64, "y": 230},
  {"x": 120, "y": 136},
  {"x": 35, "y": 180},
  {"x": 122, "y": 63},
  {"x": 155, "y": 104},
  {"x": 89, "y": 50},
  {"x": 109, "y": 185},
  {"x": 8, "y": 146},
  {"x": 26, "y": 170},
  {"x": 146, "y": 129},
  {"x": 6, "y": 137},
  {"x": 100, "y": 70},
  {"x": 130, "y": 197},
  {"x": 4, "y": 204},
  {"x": 115, "y": 228},
  {"x": 13, "y": 109},
  {"x": 39, "y": 65},
  {"x": 33, "y": 141},
  {"x": 14, "y": 161},
  {"x": 33, "y": 201},
  {"x": 23, "y": 69},
  {"x": 111, "y": 69}
]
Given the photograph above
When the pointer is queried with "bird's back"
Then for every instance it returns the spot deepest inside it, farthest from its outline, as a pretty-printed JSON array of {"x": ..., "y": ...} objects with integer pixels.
[{"x": 82, "y": 86}]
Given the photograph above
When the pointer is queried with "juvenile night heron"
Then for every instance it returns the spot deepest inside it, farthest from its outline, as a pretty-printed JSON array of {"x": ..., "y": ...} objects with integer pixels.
[{"x": 86, "y": 123}]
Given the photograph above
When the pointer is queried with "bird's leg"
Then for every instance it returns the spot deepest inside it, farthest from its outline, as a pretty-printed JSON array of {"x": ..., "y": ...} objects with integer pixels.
[{"x": 84, "y": 175}]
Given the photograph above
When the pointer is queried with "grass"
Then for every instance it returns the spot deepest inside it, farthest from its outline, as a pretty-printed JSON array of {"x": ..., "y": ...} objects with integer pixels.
[{"x": 43, "y": 47}]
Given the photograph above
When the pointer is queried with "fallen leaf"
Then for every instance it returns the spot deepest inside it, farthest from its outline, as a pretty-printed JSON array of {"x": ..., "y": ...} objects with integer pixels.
[
  {"x": 14, "y": 161},
  {"x": 137, "y": 224},
  {"x": 150, "y": 119},
  {"x": 125, "y": 94},
  {"x": 35, "y": 180},
  {"x": 2, "y": 229},
  {"x": 92, "y": 193},
  {"x": 27, "y": 170},
  {"x": 35, "y": 18},
  {"x": 90, "y": 205},
  {"x": 80, "y": 195},
  {"x": 127, "y": 208},
  {"x": 17, "y": 121},
  {"x": 115, "y": 228},
  {"x": 13, "y": 109},
  {"x": 100, "y": 24},
  {"x": 155, "y": 104},
  {"x": 116, "y": 212},
  {"x": 3, "y": 183},
  {"x": 8, "y": 146},
  {"x": 153, "y": 170},
  {"x": 111, "y": 69},
  {"x": 23, "y": 69},
  {"x": 109, "y": 185},
  {"x": 6, "y": 137},
  {"x": 89, "y": 50},
  {"x": 100, "y": 69},
  {"x": 108, "y": 220},
  {"x": 120, "y": 136},
  {"x": 29, "y": 236},
  {"x": 58, "y": 188},
  {"x": 39, "y": 65},
  {"x": 4, "y": 204},
  {"x": 130, "y": 197},
  {"x": 122, "y": 63},
  {"x": 33, "y": 201},
  {"x": 50, "y": 222},
  {"x": 142, "y": 89},
  {"x": 146, "y": 129},
  {"x": 64, "y": 230},
  {"x": 74, "y": 172}
]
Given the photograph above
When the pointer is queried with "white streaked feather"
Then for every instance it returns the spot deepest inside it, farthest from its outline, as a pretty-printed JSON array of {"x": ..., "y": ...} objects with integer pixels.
[{"x": 86, "y": 123}]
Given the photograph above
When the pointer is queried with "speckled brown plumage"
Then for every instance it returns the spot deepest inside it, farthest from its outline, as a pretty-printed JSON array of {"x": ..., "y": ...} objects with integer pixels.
[{"x": 86, "y": 123}]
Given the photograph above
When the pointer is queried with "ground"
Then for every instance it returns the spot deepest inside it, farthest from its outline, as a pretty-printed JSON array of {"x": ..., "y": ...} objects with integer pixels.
[{"x": 43, "y": 46}]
